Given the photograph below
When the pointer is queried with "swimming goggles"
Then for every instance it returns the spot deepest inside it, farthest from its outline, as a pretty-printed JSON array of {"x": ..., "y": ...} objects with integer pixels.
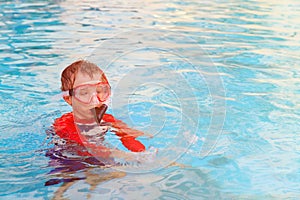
[{"x": 85, "y": 92}]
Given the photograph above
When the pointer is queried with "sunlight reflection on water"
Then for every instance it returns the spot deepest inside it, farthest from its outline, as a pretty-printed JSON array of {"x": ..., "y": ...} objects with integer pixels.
[{"x": 254, "y": 45}]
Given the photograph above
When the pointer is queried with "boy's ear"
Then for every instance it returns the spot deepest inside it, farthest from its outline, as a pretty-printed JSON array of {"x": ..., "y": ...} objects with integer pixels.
[{"x": 68, "y": 99}]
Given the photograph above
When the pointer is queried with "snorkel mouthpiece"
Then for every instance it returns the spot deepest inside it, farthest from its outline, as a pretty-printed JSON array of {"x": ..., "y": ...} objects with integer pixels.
[{"x": 99, "y": 112}]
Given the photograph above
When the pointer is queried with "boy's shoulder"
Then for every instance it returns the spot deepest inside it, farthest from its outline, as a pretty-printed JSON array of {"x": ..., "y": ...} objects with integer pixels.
[
  {"x": 65, "y": 127},
  {"x": 108, "y": 118}
]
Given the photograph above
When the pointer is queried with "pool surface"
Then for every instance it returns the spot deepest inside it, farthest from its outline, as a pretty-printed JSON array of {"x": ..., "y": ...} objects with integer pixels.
[{"x": 216, "y": 82}]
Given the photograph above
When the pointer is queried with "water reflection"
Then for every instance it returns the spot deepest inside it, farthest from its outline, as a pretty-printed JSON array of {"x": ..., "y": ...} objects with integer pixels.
[{"x": 254, "y": 44}]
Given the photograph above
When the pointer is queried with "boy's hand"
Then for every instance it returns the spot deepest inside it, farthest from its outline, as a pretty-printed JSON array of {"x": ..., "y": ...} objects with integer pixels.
[
  {"x": 147, "y": 156},
  {"x": 131, "y": 132}
]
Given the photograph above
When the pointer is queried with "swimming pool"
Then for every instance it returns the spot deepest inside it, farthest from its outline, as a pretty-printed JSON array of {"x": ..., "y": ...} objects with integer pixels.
[{"x": 254, "y": 45}]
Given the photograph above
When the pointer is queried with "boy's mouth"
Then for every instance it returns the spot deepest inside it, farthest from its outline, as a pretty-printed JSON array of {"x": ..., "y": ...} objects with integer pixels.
[{"x": 98, "y": 112}]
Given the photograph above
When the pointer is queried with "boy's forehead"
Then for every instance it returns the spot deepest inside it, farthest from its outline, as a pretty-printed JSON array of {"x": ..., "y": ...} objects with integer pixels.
[{"x": 81, "y": 78}]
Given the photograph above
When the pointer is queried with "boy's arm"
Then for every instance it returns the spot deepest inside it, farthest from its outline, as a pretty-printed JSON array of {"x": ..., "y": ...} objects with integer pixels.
[
  {"x": 127, "y": 135},
  {"x": 122, "y": 128}
]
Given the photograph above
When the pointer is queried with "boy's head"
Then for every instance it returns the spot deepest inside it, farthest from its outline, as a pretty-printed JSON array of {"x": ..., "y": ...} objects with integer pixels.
[
  {"x": 85, "y": 86},
  {"x": 68, "y": 76}
]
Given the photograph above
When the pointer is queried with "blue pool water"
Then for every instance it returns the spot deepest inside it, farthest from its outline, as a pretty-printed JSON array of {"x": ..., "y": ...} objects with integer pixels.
[{"x": 240, "y": 138}]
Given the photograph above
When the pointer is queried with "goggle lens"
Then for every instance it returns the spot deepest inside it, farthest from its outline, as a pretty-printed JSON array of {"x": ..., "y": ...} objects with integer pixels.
[{"x": 85, "y": 93}]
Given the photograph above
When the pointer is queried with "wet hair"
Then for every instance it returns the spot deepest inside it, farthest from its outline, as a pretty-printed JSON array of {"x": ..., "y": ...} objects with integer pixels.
[{"x": 68, "y": 76}]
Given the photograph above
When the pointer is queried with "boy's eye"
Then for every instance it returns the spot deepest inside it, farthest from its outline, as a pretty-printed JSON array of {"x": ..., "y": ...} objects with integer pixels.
[
  {"x": 101, "y": 89},
  {"x": 98, "y": 90},
  {"x": 83, "y": 92}
]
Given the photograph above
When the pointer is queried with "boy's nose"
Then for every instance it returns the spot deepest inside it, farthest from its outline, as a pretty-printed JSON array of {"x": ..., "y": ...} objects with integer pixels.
[{"x": 95, "y": 100}]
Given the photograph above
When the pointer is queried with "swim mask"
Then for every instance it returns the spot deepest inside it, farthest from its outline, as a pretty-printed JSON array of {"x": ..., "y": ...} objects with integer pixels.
[{"x": 85, "y": 92}]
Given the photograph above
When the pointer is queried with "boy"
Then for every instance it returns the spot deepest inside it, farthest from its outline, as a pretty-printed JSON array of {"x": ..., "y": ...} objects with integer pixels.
[{"x": 86, "y": 88}]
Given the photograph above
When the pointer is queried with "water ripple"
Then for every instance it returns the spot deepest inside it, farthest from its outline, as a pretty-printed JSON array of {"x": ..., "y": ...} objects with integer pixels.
[{"x": 254, "y": 44}]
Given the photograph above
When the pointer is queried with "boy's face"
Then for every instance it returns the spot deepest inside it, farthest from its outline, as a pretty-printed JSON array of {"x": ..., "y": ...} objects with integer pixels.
[{"x": 82, "y": 110}]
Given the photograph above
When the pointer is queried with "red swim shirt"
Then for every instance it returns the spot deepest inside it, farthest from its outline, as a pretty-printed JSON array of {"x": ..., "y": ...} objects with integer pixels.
[{"x": 66, "y": 129}]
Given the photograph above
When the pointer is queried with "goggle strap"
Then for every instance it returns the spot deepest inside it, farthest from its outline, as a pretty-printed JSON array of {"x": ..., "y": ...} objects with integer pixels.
[{"x": 71, "y": 91}]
